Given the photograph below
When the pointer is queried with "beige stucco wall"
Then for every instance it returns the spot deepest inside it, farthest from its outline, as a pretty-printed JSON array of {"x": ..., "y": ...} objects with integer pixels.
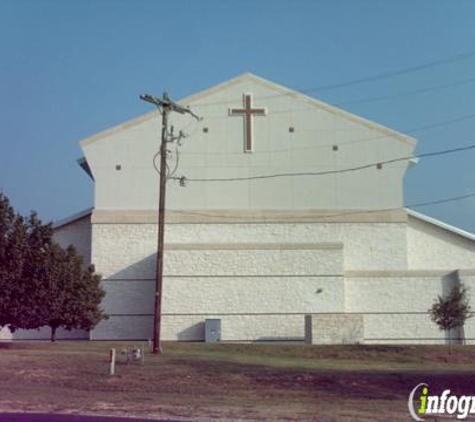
[
  {"x": 250, "y": 286},
  {"x": 5, "y": 334},
  {"x": 395, "y": 304},
  {"x": 334, "y": 329},
  {"x": 377, "y": 246},
  {"x": 237, "y": 295},
  {"x": 432, "y": 247},
  {"x": 77, "y": 233},
  {"x": 252, "y": 276},
  {"x": 261, "y": 279},
  {"x": 45, "y": 333},
  {"x": 191, "y": 327}
]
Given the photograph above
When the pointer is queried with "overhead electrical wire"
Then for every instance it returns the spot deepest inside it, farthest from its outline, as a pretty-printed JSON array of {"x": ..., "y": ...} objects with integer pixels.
[
  {"x": 390, "y": 74},
  {"x": 356, "y": 141},
  {"x": 371, "y": 78},
  {"x": 406, "y": 93},
  {"x": 345, "y": 213},
  {"x": 328, "y": 172},
  {"x": 364, "y": 100}
]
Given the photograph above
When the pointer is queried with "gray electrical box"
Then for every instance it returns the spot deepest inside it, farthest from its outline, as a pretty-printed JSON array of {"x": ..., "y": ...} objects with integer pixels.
[{"x": 212, "y": 330}]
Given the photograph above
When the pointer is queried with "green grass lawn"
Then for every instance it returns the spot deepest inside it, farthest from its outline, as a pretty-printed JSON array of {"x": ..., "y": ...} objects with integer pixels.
[{"x": 230, "y": 381}]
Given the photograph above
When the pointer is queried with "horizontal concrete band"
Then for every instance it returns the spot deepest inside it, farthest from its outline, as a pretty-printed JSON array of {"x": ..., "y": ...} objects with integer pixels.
[
  {"x": 233, "y": 276},
  {"x": 301, "y": 339},
  {"x": 252, "y": 246},
  {"x": 258, "y": 314},
  {"x": 408, "y": 273},
  {"x": 346, "y": 275},
  {"x": 249, "y": 216},
  {"x": 435, "y": 339}
]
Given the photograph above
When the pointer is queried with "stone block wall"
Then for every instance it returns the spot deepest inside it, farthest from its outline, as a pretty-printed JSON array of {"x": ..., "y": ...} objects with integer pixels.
[
  {"x": 395, "y": 305},
  {"x": 334, "y": 329},
  {"x": 259, "y": 290}
]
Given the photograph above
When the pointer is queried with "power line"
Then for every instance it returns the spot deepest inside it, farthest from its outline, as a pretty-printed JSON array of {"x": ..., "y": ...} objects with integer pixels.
[
  {"x": 328, "y": 172},
  {"x": 347, "y": 213},
  {"x": 390, "y": 74},
  {"x": 406, "y": 93},
  {"x": 366, "y": 79},
  {"x": 356, "y": 141},
  {"x": 358, "y": 101},
  {"x": 428, "y": 154},
  {"x": 442, "y": 201}
]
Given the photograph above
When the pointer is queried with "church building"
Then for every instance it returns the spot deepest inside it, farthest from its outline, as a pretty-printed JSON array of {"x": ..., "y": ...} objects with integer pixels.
[{"x": 281, "y": 206}]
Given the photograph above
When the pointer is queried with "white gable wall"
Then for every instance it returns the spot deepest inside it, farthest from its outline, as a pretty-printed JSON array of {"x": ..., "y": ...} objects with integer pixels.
[{"x": 219, "y": 154}]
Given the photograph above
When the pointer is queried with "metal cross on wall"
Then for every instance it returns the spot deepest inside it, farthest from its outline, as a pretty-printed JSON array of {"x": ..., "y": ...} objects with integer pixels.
[{"x": 247, "y": 112}]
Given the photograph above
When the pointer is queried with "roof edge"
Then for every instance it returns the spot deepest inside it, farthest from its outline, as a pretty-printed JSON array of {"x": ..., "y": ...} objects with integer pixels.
[
  {"x": 333, "y": 109},
  {"x": 441, "y": 224},
  {"x": 303, "y": 97},
  {"x": 147, "y": 116},
  {"x": 269, "y": 84},
  {"x": 72, "y": 218}
]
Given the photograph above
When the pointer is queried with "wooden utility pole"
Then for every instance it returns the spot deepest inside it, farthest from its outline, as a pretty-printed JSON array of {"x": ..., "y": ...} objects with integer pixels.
[{"x": 165, "y": 105}]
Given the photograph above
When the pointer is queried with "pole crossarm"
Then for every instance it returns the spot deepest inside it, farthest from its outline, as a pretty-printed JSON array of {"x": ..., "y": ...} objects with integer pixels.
[{"x": 168, "y": 104}]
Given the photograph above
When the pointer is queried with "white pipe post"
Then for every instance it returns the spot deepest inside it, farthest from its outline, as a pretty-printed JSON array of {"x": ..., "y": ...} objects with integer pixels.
[{"x": 112, "y": 362}]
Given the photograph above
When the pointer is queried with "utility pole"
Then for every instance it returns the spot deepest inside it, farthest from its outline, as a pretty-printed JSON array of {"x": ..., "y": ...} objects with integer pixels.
[{"x": 165, "y": 105}]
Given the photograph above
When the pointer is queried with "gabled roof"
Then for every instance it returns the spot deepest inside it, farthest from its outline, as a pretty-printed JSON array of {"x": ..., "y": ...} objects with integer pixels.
[
  {"x": 271, "y": 85},
  {"x": 72, "y": 218},
  {"x": 442, "y": 225}
]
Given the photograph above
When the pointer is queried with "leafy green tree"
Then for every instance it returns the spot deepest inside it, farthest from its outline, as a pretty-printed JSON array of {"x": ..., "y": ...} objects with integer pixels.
[
  {"x": 13, "y": 244},
  {"x": 75, "y": 294},
  {"x": 42, "y": 284},
  {"x": 452, "y": 311},
  {"x": 34, "y": 285}
]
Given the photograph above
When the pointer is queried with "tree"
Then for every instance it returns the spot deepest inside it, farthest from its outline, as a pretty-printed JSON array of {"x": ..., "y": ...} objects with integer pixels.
[
  {"x": 42, "y": 284},
  {"x": 33, "y": 286},
  {"x": 13, "y": 244},
  {"x": 74, "y": 294},
  {"x": 452, "y": 311}
]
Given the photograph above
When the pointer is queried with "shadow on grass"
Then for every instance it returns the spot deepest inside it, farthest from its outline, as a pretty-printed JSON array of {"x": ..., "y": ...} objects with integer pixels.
[{"x": 364, "y": 385}]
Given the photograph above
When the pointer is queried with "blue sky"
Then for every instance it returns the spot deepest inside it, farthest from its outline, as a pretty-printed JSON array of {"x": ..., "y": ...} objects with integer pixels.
[{"x": 69, "y": 69}]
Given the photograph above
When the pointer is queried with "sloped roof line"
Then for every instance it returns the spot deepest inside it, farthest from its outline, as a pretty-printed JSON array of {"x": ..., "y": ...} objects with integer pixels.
[
  {"x": 302, "y": 97},
  {"x": 72, "y": 218},
  {"x": 271, "y": 85},
  {"x": 441, "y": 224}
]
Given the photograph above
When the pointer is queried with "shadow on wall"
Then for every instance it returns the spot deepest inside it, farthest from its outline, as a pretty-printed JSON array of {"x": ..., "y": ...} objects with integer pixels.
[
  {"x": 279, "y": 339},
  {"x": 449, "y": 281},
  {"x": 142, "y": 269},
  {"x": 43, "y": 333},
  {"x": 193, "y": 333}
]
